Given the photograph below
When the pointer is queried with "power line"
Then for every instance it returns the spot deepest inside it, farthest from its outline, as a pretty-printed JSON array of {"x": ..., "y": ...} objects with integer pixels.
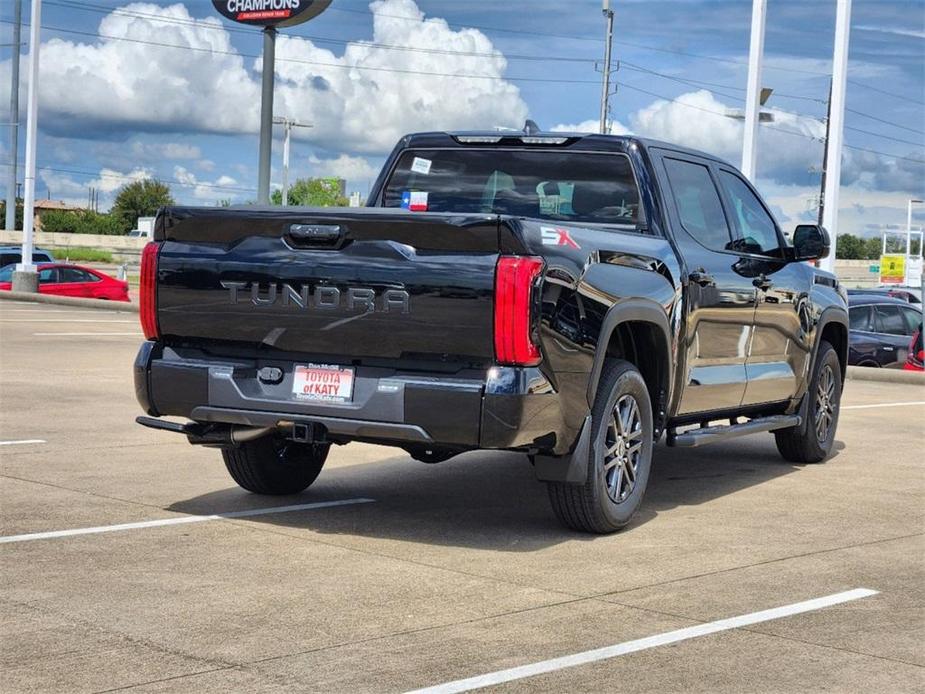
[
  {"x": 884, "y": 91},
  {"x": 886, "y": 122}
]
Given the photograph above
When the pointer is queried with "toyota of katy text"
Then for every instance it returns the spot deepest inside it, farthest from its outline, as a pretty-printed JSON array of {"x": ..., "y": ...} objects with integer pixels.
[{"x": 574, "y": 297}]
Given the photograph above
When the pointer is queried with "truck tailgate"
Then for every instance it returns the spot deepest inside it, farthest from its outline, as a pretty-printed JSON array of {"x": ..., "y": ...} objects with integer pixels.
[{"x": 352, "y": 284}]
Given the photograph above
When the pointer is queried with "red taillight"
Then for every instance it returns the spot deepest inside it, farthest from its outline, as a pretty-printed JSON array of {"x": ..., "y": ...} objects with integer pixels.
[
  {"x": 514, "y": 280},
  {"x": 147, "y": 304}
]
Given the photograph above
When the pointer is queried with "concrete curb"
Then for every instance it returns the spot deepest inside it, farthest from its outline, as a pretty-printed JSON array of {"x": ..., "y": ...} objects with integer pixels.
[
  {"x": 126, "y": 306},
  {"x": 869, "y": 373}
]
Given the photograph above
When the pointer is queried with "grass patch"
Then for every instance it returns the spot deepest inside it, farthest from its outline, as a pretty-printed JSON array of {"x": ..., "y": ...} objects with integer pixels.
[{"x": 86, "y": 255}]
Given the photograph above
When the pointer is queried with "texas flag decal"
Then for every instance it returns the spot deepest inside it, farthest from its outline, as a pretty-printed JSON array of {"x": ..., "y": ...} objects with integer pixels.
[
  {"x": 414, "y": 200},
  {"x": 557, "y": 236}
]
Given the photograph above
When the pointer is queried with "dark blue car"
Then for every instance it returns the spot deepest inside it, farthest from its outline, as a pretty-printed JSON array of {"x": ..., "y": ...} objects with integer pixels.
[{"x": 880, "y": 330}]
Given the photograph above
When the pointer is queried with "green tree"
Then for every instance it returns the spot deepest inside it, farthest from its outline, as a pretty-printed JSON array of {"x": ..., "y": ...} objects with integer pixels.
[
  {"x": 82, "y": 222},
  {"x": 18, "y": 221},
  {"x": 140, "y": 199},
  {"x": 872, "y": 248},
  {"x": 849, "y": 247},
  {"x": 313, "y": 192}
]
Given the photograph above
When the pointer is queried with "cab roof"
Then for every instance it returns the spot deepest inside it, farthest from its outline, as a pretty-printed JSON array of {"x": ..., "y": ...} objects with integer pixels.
[{"x": 588, "y": 142}]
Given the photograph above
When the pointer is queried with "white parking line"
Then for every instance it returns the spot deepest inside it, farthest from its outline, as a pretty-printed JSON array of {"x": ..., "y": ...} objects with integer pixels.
[
  {"x": 180, "y": 520},
  {"x": 62, "y": 320},
  {"x": 134, "y": 334},
  {"x": 22, "y": 441},
  {"x": 883, "y": 404},
  {"x": 608, "y": 652}
]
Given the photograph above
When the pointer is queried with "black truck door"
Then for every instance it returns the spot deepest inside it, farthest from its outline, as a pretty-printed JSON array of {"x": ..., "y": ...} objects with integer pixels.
[
  {"x": 719, "y": 300},
  {"x": 779, "y": 350}
]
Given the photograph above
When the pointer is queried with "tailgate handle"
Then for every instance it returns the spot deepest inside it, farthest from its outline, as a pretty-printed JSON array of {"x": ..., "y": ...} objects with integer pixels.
[{"x": 316, "y": 233}]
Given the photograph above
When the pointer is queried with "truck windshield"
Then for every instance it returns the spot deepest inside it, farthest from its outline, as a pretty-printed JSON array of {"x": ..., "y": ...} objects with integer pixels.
[{"x": 579, "y": 187}]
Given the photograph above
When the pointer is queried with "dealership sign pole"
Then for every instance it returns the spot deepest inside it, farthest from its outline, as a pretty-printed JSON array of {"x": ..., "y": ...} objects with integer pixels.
[{"x": 269, "y": 14}]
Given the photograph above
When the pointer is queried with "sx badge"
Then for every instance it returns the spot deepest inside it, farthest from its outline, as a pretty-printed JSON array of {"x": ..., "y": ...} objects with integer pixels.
[{"x": 557, "y": 236}]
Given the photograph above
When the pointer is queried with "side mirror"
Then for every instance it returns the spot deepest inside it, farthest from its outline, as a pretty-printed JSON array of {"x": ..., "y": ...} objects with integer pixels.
[{"x": 810, "y": 242}]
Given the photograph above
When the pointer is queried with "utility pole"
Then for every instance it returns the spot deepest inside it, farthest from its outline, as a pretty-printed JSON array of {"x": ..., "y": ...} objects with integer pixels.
[
  {"x": 605, "y": 88},
  {"x": 753, "y": 93},
  {"x": 825, "y": 154},
  {"x": 25, "y": 278},
  {"x": 266, "y": 115},
  {"x": 288, "y": 125},
  {"x": 14, "y": 115},
  {"x": 835, "y": 139}
]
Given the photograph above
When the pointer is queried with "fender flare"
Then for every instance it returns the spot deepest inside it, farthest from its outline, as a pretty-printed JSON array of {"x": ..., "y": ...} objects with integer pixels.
[
  {"x": 635, "y": 309},
  {"x": 830, "y": 314}
]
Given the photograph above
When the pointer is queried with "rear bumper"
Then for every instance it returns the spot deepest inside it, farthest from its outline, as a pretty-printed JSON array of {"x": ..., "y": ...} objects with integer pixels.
[{"x": 501, "y": 407}]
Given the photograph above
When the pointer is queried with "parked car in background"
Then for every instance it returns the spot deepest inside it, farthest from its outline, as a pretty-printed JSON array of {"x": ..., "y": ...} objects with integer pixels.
[
  {"x": 10, "y": 255},
  {"x": 916, "y": 359},
  {"x": 879, "y": 329},
  {"x": 907, "y": 295},
  {"x": 63, "y": 279}
]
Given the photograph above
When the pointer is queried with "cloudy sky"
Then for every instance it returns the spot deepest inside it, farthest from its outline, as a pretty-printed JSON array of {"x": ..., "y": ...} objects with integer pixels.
[{"x": 173, "y": 90}]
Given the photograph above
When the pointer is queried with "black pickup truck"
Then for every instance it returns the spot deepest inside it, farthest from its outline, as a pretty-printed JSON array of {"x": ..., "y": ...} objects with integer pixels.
[{"x": 573, "y": 297}]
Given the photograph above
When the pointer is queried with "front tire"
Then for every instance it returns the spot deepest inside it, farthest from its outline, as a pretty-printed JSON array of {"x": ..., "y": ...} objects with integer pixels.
[
  {"x": 620, "y": 457},
  {"x": 811, "y": 441},
  {"x": 273, "y": 465}
]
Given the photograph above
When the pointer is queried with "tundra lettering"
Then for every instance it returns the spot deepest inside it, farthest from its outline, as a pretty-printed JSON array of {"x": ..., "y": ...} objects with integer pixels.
[
  {"x": 577, "y": 298},
  {"x": 324, "y": 297}
]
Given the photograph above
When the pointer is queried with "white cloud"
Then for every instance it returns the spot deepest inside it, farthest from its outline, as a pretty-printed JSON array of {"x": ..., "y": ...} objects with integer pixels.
[
  {"x": 591, "y": 126},
  {"x": 350, "y": 168},
  {"x": 223, "y": 188},
  {"x": 114, "y": 84},
  {"x": 369, "y": 109}
]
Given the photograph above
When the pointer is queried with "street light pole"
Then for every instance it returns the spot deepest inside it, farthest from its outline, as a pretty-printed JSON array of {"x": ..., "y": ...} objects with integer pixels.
[
  {"x": 288, "y": 125},
  {"x": 266, "y": 116},
  {"x": 836, "y": 131},
  {"x": 14, "y": 114},
  {"x": 605, "y": 88},
  {"x": 25, "y": 278},
  {"x": 753, "y": 94}
]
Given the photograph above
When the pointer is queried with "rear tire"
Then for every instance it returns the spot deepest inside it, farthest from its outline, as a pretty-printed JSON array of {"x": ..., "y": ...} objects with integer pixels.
[
  {"x": 272, "y": 465},
  {"x": 811, "y": 441},
  {"x": 620, "y": 456}
]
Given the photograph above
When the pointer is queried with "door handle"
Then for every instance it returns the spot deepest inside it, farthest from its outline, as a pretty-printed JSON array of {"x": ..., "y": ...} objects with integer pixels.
[
  {"x": 702, "y": 277},
  {"x": 762, "y": 282},
  {"x": 315, "y": 233}
]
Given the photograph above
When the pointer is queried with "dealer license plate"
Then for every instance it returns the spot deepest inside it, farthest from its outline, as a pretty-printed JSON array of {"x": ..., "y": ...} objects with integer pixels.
[{"x": 324, "y": 382}]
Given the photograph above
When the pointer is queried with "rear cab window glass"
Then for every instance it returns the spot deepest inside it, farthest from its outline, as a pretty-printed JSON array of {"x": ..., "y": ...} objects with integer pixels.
[
  {"x": 698, "y": 203},
  {"x": 562, "y": 186}
]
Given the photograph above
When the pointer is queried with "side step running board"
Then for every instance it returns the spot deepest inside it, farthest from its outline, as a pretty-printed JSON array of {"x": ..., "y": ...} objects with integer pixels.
[{"x": 704, "y": 435}]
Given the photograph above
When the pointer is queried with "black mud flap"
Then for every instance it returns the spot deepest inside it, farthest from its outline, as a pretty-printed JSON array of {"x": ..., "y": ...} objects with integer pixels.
[{"x": 572, "y": 468}]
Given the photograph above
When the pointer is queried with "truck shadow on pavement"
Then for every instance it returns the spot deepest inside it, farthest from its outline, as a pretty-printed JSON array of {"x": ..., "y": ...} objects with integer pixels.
[{"x": 491, "y": 500}]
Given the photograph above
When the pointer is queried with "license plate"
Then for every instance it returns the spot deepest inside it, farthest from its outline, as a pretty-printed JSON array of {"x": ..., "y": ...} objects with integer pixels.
[{"x": 323, "y": 382}]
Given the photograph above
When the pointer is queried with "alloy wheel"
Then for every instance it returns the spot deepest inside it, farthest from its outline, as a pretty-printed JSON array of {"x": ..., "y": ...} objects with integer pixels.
[{"x": 623, "y": 446}]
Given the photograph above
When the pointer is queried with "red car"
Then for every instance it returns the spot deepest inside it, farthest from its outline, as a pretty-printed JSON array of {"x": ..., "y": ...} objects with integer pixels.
[{"x": 72, "y": 280}]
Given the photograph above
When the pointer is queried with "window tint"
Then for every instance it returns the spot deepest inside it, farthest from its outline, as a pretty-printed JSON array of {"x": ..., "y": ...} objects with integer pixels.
[
  {"x": 859, "y": 318},
  {"x": 759, "y": 235},
  {"x": 913, "y": 319},
  {"x": 73, "y": 274},
  {"x": 698, "y": 203},
  {"x": 891, "y": 321},
  {"x": 562, "y": 186},
  {"x": 48, "y": 275}
]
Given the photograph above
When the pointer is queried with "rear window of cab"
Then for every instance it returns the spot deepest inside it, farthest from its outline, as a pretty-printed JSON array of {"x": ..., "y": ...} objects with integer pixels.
[{"x": 579, "y": 187}]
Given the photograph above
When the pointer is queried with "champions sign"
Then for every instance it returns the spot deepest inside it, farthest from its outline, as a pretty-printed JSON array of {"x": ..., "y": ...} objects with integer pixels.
[{"x": 275, "y": 13}]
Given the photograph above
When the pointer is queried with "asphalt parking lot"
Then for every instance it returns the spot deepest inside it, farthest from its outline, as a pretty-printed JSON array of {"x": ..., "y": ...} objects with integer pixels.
[{"x": 425, "y": 575}]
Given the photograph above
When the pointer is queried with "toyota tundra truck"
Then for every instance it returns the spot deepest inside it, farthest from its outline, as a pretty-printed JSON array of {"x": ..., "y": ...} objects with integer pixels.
[{"x": 573, "y": 297}]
